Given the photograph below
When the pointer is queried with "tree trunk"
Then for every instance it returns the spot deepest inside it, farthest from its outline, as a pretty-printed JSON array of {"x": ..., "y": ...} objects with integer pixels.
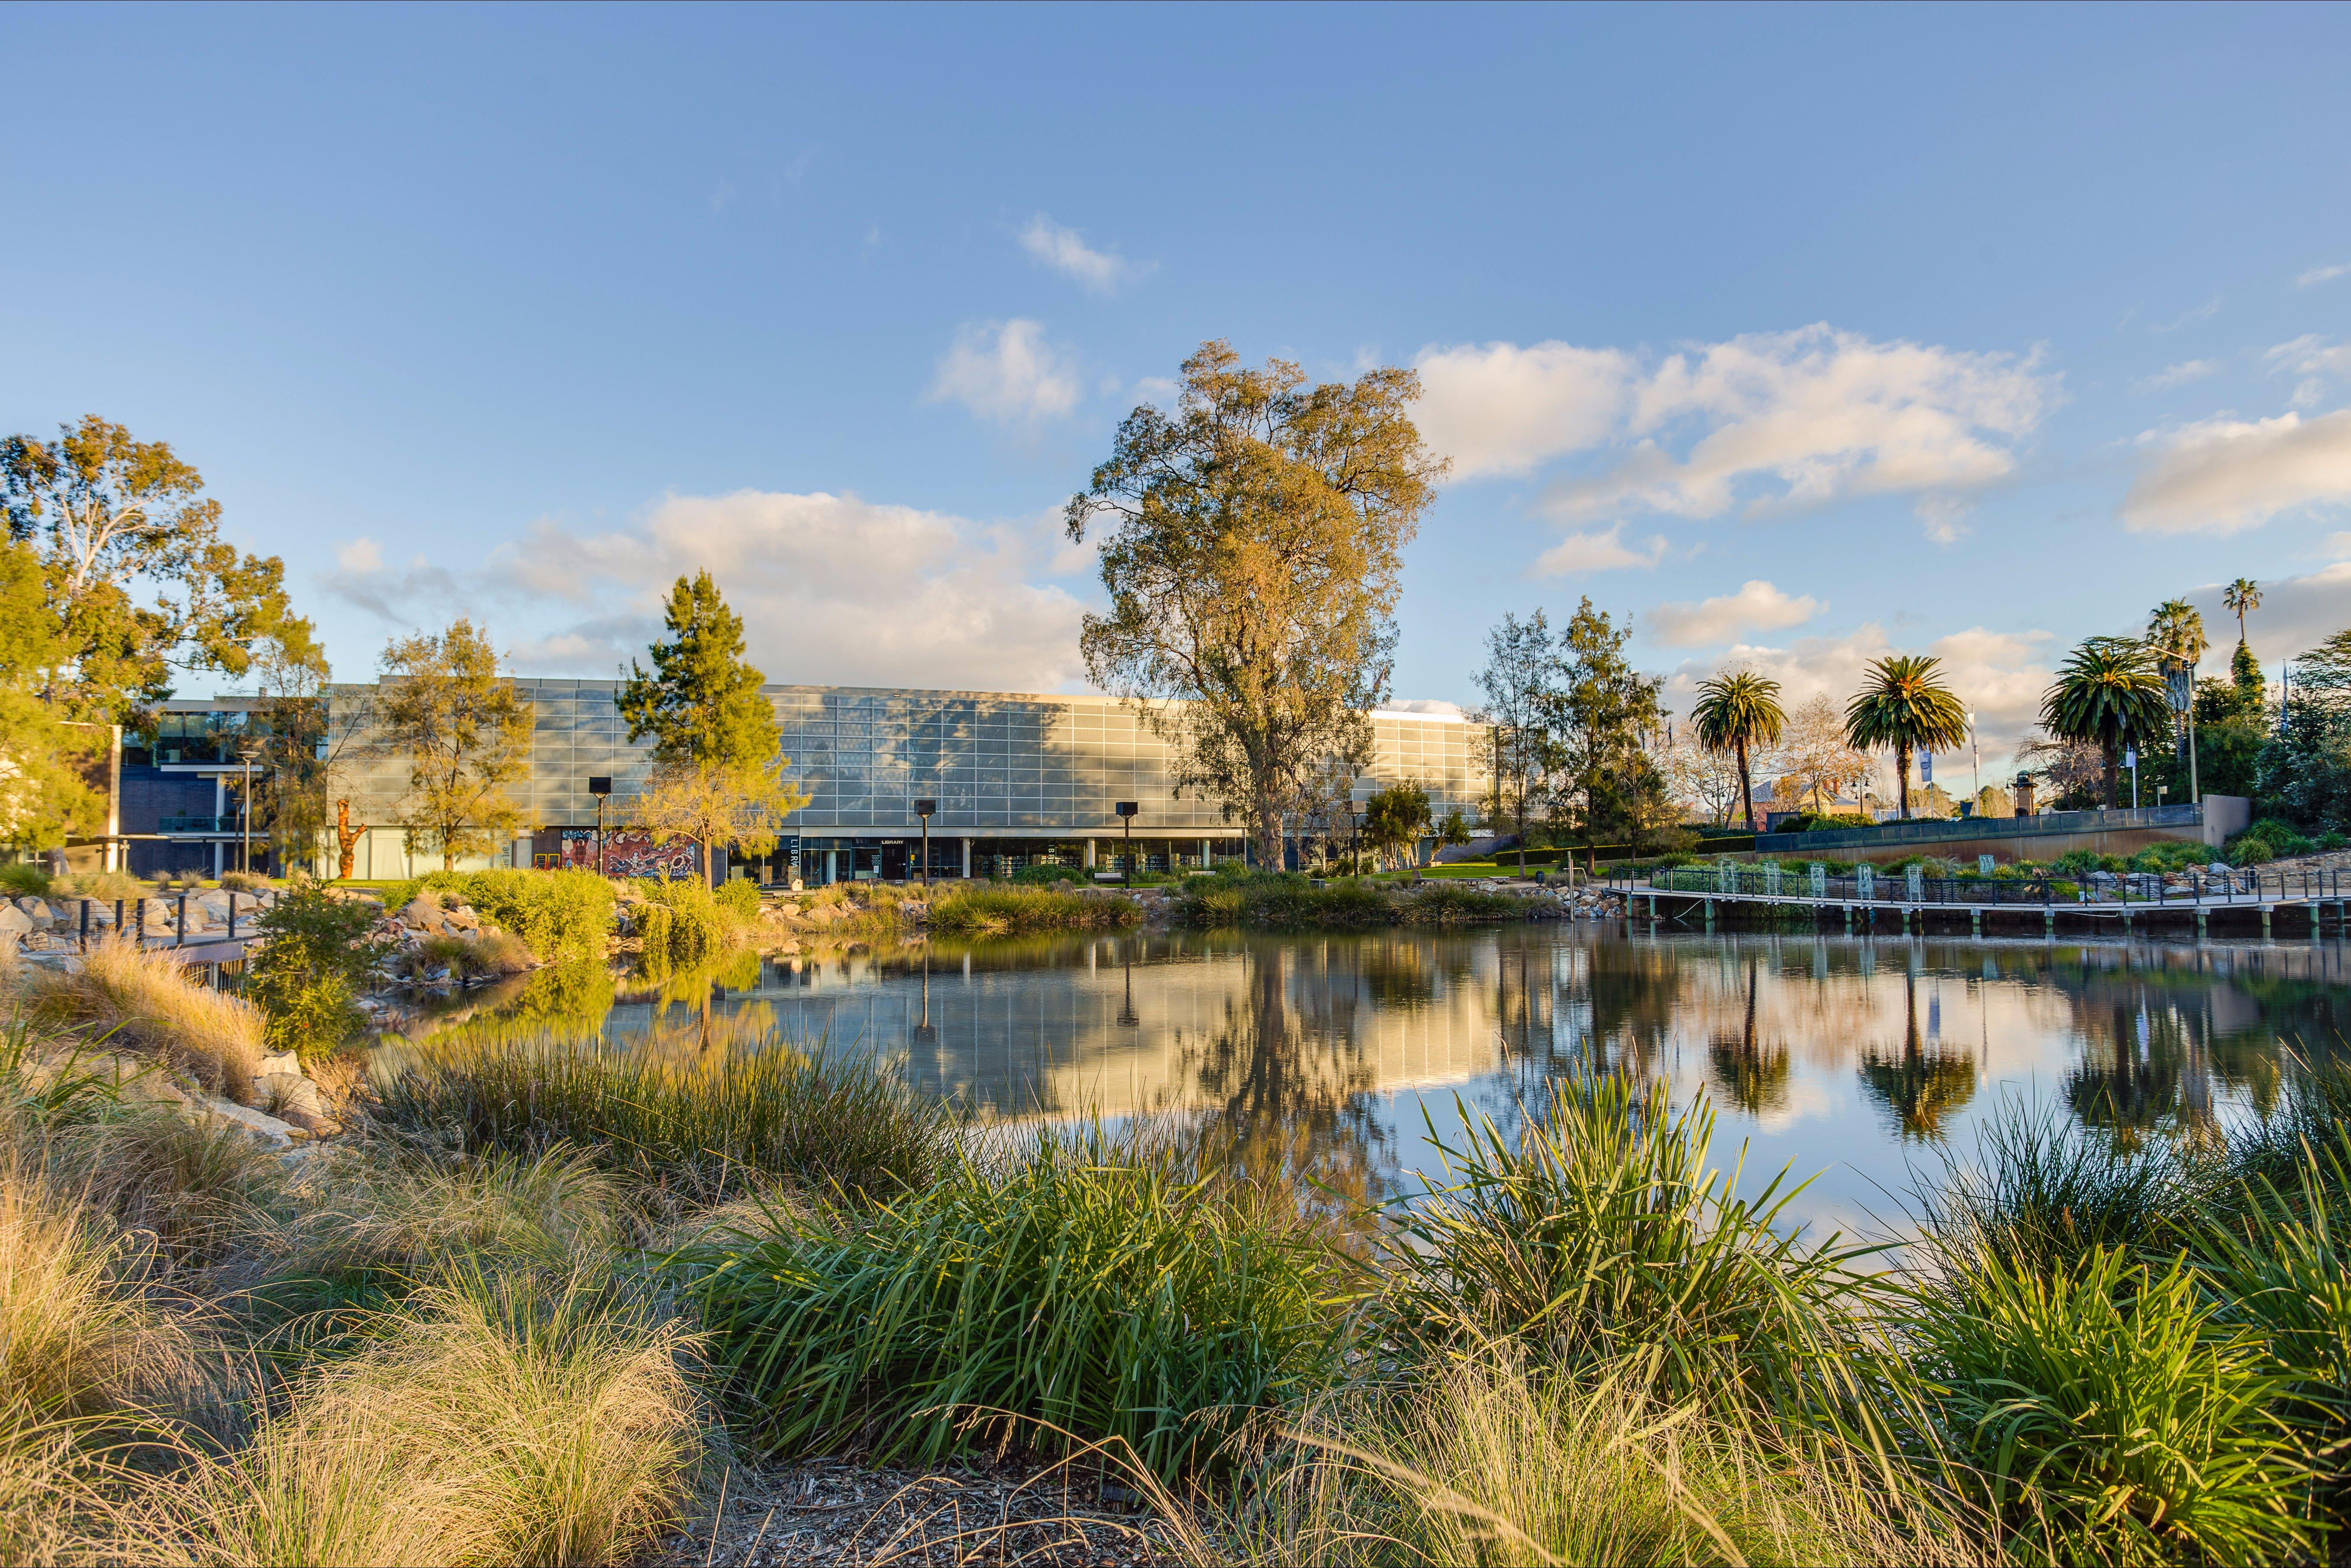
[
  {"x": 1267, "y": 835},
  {"x": 2112, "y": 756},
  {"x": 1902, "y": 778},
  {"x": 1746, "y": 785}
]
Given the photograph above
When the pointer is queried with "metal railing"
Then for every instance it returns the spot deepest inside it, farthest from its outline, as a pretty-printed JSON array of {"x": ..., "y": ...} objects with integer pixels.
[
  {"x": 2188, "y": 815},
  {"x": 2120, "y": 889},
  {"x": 184, "y": 824},
  {"x": 97, "y": 916}
]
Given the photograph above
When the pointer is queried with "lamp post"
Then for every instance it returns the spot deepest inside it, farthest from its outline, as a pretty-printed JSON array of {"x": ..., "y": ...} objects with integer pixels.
[
  {"x": 924, "y": 809},
  {"x": 600, "y": 786},
  {"x": 1126, "y": 810}
]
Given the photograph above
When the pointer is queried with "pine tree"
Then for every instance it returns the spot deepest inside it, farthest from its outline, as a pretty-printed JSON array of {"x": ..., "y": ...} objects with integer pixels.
[{"x": 702, "y": 703}]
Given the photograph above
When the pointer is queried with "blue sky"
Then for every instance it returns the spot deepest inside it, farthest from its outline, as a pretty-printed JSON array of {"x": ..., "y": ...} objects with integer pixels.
[{"x": 1798, "y": 334}]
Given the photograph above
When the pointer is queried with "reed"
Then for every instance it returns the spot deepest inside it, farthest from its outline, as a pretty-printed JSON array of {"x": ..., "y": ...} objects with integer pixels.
[
  {"x": 1085, "y": 1292},
  {"x": 2103, "y": 1413},
  {"x": 1602, "y": 1231},
  {"x": 1017, "y": 911},
  {"x": 704, "y": 1127}
]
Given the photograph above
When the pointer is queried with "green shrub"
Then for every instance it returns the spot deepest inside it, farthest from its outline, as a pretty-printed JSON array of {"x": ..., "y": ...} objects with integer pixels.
[
  {"x": 1087, "y": 1289},
  {"x": 683, "y": 923},
  {"x": 998, "y": 911},
  {"x": 322, "y": 950},
  {"x": 1045, "y": 875},
  {"x": 2249, "y": 849},
  {"x": 2283, "y": 837},
  {"x": 1599, "y": 1231},
  {"x": 562, "y": 914},
  {"x": 739, "y": 897},
  {"x": 701, "y": 1126},
  {"x": 2104, "y": 1414},
  {"x": 22, "y": 879},
  {"x": 1286, "y": 901}
]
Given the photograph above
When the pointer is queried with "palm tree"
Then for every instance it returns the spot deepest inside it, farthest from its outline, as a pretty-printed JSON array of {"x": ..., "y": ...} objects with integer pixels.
[
  {"x": 2108, "y": 692},
  {"x": 1735, "y": 711},
  {"x": 1905, "y": 707},
  {"x": 2243, "y": 596},
  {"x": 2175, "y": 634}
]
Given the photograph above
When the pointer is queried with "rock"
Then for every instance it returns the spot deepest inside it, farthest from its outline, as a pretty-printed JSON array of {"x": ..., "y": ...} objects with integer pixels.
[
  {"x": 276, "y": 1062},
  {"x": 13, "y": 924},
  {"x": 462, "y": 919},
  {"x": 2218, "y": 868},
  {"x": 287, "y": 1093},
  {"x": 266, "y": 1129},
  {"x": 422, "y": 915},
  {"x": 36, "y": 911}
]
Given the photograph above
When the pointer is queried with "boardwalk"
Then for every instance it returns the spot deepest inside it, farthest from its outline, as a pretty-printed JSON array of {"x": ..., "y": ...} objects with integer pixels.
[{"x": 2296, "y": 903}]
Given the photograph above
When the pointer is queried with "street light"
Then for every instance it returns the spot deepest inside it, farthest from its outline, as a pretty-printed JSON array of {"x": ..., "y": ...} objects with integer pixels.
[
  {"x": 1126, "y": 810},
  {"x": 924, "y": 809},
  {"x": 600, "y": 786}
]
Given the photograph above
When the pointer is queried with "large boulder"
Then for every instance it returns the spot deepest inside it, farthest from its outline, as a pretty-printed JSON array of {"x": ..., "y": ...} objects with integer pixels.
[{"x": 14, "y": 925}]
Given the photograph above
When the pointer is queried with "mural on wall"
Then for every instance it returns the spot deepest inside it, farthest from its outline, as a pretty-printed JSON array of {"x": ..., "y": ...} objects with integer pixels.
[
  {"x": 629, "y": 853},
  {"x": 578, "y": 852}
]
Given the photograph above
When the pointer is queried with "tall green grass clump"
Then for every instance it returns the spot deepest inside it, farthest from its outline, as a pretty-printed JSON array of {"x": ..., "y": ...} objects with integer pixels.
[
  {"x": 704, "y": 1127},
  {"x": 563, "y": 914},
  {"x": 1082, "y": 1291},
  {"x": 1016, "y": 911},
  {"x": 2041, "y": 1192},
  {"x": 2105, "y": 1414},
  {"x": 1602, "y": 1231},
  {"x": 22, "y": 879},
  {"x": 1287, "y": 901}
]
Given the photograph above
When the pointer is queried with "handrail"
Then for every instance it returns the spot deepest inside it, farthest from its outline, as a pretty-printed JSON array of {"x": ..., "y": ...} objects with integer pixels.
[
  {"x": 2126, "y": 890},
  {"x": 1944, "y": 827}
]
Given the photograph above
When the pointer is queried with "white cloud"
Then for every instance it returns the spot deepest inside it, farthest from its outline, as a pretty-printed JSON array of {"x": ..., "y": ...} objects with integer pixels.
[
  {"x": 1765, "y": 421},
  {"x": 1756, "y": 607},
  {"x": 2314, "y": 360},
  {"x": 831, "y": 589},
  {"x": 2221, "y": 474},
  {"x": 2297, "y": 613},
  {"x": 1599, "y": 552},
  {"x": 1943, "y": 517},
  {"x": 362, "y": 579},
  {"x": 2322, "y": 275},
  {"x": 1006, "y": 371},
  {"x": 1066, "y": 252},
  {"x": 2204, "y": 312},
  {"x": 2178, "y": 375},
  {"x": 1500, "y": 409}
]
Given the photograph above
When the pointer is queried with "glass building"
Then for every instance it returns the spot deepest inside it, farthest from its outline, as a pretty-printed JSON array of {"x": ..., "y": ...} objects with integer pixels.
[{"x": 1017, "y": 779}]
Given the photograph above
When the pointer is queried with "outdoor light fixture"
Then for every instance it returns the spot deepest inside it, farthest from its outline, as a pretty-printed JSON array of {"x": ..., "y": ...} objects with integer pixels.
[
  {"x": 600, "y": 786},
  {"x": 924, "y": 809},
  {"x": 1127, "y": 810}
]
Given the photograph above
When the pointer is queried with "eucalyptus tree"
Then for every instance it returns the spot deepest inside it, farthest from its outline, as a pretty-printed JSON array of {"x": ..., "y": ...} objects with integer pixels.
[
  {"x": 1905, "y": 707},
  {"x": 1519, "y": 682},
  {"x": 2108, "y": 693},
  {"x": 1740, "y": 713},
  {"x": 1253, "y": 558},
  {"x": 445, "y": 708},
  {"x": 136, "y": 574}
]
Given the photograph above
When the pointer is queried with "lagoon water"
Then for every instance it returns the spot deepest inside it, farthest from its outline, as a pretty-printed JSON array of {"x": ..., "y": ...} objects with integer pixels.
[{"x": 1856, "y": 1060}]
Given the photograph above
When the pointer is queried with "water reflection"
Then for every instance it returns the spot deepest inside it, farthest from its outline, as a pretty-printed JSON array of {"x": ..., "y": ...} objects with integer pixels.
[{"x": 1846, "y": 1053}]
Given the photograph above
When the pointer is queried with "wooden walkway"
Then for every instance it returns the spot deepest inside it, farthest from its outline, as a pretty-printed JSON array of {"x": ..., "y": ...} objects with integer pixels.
[{"x": 2272, "y": 915}]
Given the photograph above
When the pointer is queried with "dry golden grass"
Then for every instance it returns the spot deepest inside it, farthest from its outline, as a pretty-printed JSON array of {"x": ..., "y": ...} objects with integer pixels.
[
  {"x": 489, "y": 1424},
  {"x": 73, "y": 1341},
  {"x": 1491, "y": 1461},
  {"x": 143, "y": 1000}
]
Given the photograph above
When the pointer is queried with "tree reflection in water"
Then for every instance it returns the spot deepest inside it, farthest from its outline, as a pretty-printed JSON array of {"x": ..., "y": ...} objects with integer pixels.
[
  {"x": 1921, "y": 1087},
  {"x": 1744, "y": 1070},
  {"x": 1282, "y": 1090}
]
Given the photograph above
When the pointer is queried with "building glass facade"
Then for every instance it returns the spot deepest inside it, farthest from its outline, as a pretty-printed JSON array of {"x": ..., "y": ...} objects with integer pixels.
[{"x": 1016, "y": 778}]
